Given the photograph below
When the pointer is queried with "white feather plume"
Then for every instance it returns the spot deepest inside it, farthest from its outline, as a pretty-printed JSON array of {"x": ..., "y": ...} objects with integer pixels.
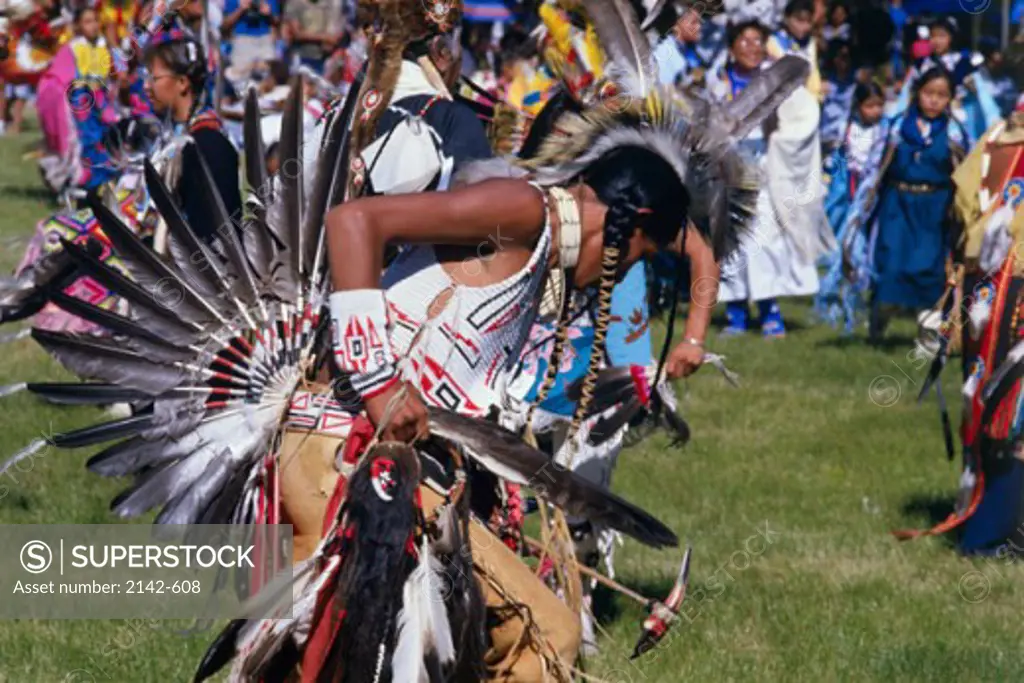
[{"x": 423, "y": 625}]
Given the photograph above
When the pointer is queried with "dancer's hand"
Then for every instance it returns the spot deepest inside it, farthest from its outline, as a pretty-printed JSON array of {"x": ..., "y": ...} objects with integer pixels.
[
  {"x": 684, "y": 360},
  {"x": 407, "y": 419}
]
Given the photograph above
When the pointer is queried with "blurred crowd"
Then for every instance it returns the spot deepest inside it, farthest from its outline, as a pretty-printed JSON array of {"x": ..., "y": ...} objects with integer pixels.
[{"x": 869, "y": 61}]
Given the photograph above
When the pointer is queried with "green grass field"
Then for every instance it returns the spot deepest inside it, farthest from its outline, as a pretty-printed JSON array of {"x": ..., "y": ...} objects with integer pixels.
[{"x": 787, "y": 492}]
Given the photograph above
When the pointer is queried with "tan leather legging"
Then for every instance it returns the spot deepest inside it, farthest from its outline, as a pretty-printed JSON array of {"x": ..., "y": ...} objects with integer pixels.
[{"x": 535, "y": 637}]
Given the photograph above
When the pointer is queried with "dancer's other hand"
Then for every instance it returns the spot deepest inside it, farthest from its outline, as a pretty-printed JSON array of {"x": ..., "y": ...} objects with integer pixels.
[
  {"x": 684, "y": 360},
  {"x": 407, "y": 419}
]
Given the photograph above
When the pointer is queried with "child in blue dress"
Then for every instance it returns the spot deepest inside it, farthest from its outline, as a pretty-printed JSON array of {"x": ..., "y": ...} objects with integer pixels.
[
  {"x": 903, "y": 202},
  {"x": 847, "y": 167}
]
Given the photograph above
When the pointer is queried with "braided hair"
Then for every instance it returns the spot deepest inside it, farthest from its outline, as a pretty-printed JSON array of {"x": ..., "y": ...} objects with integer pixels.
[{"x": 641, "y": 190}]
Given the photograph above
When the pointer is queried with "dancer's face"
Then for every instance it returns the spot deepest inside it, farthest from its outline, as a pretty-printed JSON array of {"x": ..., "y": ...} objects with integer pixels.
[
  {"x": 89, "y": 25},
  {"x": 164, "y": 87},
  {"x": 941, "y": 40},
  {"x": 687, "y": 28},
  {"x": 871, "y": 110},
  {"x": 838, "y": 17},
  {"x": 934, "y": 98},
  {"x": 748, "y": 49},
  {"x": 799, "y": 24}
]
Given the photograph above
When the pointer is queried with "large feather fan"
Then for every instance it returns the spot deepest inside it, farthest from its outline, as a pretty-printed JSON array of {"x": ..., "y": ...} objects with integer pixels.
[{"x": 218, "y": 336}]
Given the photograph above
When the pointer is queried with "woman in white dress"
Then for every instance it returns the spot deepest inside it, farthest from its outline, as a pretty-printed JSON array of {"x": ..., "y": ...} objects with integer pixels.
[{"x": 777, "y": 257}]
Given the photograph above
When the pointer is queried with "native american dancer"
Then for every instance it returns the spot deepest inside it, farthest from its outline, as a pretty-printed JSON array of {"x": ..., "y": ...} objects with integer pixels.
[
  {"x": 848, "y": 165},
  {"x": 76, "y": 103},
  {"x": 223, "y": 378},
  {"x": 778, "y": 256},
  {"x": 413, "y": 131},
  {"x": 895, "y": 240},
  {"x": 988, "y": 203},
  {"x": 794, "y": 38},
  {"x": 177, "y": 80}
]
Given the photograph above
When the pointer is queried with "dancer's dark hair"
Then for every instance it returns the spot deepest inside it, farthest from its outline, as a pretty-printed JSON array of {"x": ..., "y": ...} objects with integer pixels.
[
  {"x": 734, "y": 31},
  {"x": 184, "y": 58},
  {"x": 640, "y": 189},
  {"x": 863, "y": 92},
  {"x": 797, "y": 6}
]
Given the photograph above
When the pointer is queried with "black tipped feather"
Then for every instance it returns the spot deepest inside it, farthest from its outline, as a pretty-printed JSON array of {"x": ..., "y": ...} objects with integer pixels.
[
  {"x": 290, "y": 175},
  {"x": 101, "y": 433},
  {"x": 150, "y": 311},
  {"x": 188, "y": 507},
  {"x": 25, "y": 295},
  {"x": 81, "y": 394},
  {"x": 94, "y": 358},
  {"x": 766, "y": 91},
  {"x": 502, "y": 451},
  {"x": 331, "y": 172},
  {"x": 613, "y": 386},
  {"x": 195, "y": 260},
  {"x": 148, "y": 269},
  {"x": 606, "y": 427},
  {"x": 244, "y": 285},
  {"x": 135, "y": 455},
  {"x": 161, "y": 485},
  {"x": 221, "y": 510},
  {"x": 259, "y": 242},
  {"x": 140, "y": 339},
  {"x": 255, "y": 156},
  {"x": 221, "y": 651}
]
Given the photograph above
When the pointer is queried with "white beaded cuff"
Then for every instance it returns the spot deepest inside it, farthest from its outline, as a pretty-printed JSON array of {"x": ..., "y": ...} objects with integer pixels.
[{"x": 359, "y": 328}]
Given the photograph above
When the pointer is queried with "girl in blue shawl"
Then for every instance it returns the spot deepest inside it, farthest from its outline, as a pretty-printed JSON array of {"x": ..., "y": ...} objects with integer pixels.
[{"x": 902, "y": 204}]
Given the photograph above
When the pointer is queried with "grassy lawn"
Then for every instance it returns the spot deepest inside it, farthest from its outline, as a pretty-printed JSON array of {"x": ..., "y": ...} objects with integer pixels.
[{"x": 787, "y": 492}]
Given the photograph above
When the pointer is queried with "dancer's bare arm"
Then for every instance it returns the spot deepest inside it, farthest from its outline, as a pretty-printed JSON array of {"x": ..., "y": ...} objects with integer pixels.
[
  {"x": 358, "y": 232},
  {"x": 687, "y": 356}
]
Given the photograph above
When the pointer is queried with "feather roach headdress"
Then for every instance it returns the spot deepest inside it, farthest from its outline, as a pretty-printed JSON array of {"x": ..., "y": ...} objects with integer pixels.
[
  {"x": 697, "y": 140},
  {"x": 695, "y": 137}
]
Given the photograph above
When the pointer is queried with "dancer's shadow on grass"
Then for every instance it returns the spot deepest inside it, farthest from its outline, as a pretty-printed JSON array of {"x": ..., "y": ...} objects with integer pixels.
[
  {"x": 30, "y": 192},
  {"x": 930, "y": 510},
  {"x": 887, "y": 343}
]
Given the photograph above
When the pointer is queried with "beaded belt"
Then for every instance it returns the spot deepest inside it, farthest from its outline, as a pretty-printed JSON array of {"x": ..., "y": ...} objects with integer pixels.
[
  {"x": 318, "y": 412},
  {"x": 919, "y": 188}
]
